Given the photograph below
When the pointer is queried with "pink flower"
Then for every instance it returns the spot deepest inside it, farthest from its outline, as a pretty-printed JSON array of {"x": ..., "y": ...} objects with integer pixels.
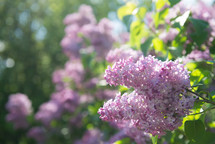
[
  {"x": 37, "y": 133},
  {"x": 159, "y": 98},
  {"x": 19, "y": 107}
]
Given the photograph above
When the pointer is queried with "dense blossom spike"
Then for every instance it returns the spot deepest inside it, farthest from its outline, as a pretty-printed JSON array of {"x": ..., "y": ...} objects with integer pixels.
[{"x": 159, "y": 98}]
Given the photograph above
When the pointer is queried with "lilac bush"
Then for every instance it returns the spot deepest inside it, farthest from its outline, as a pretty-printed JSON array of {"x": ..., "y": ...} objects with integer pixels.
[{"x": 116, "y": 79}]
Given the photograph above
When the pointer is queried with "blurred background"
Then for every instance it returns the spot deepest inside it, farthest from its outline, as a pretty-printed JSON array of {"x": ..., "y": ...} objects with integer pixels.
[{"x": 30, "y": 35}]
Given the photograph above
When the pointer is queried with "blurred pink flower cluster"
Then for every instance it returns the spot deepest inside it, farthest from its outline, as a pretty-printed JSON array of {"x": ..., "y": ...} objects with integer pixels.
[
  {"x": 19, "y": 107},
  {"x": 83, "y": 32}
]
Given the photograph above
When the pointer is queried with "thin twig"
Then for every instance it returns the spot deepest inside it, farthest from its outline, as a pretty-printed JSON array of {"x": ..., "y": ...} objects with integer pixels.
[
  {"x": 204, "y": 99},
  {"x": 203, "y": 111}
]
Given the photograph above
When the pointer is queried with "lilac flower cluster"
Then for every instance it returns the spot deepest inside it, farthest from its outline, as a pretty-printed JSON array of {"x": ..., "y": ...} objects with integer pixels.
[
  {"x": 38, "y": 134},
  {"x": 19, "y": 107},
  {"x": 72, "y": 72},
  {"x": 159, "y": 98},
  {"x": 197, "y": 56},
  {"x": 138, "y": 135},
  {"x": 82, "y": 27},
  {"x": 122, "y": 52},
  {"x": 169, "y": 36},
  {"x": 63, "y": 101},
  {"x": 93, "y": 136}
]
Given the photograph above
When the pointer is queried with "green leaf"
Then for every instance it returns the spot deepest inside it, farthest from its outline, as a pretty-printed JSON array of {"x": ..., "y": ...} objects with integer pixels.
[
  {"x": 212, "y": 93},
  {"x": 127, "y": 20},
  {"x": 146, "y": 45},
  {"x": 126, "y": 10},
  {"x": 194, "y": 130},
  {"x": 210, "y": 61},
  {"x": 159, "y": 45},
  {"x": 159, "y": 17},
  {"x": 138, "y": 31},
  {"x": 212, "y": 48},
  {"x": 155, "y": 139},
  {"x": 123, "y": 141},
  {"x": 173, "y": 2},
  {"x": 140, "y": 12},
  {"x": 201, "y": 31},
  {"x": 160, "y": 4}
]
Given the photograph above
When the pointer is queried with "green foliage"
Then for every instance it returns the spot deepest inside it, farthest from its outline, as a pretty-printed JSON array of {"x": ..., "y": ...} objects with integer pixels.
[
  {"x": 126, "y": 10},
  {"x": 159, "y": 17},
  {"x": 194, "y": 130},
  {"x": 200, "y": 34},
  {"x": 123, "y": 141},
  {"x": 137, "y": 33},
  {"x": 160, "y": 4},
  {"x": 155, "y": 139},
  {"x": 173, "y": 2},
  {"x": 146, "y": 45}
]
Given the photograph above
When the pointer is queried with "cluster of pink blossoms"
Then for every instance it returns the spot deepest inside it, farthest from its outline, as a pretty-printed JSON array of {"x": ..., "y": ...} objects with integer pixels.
[
  {"x": 65, "y": 100},
  {"x": 159, "y": 98},
  {"x": 73, "y": 71},
  {"x": 19, "y": 107},
  {"x": 37, "y": 133},
  {"x": 124, "y": 51},
  {"x": 82, "y": 27}
]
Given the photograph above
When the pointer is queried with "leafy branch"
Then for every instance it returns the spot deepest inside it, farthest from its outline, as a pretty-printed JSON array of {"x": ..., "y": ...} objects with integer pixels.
[{"x": 203, "y": 99}]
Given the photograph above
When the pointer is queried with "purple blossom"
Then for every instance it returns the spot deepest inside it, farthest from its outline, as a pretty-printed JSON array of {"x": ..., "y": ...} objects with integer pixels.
[
  {"x": 57, "y": 78},
  {"x": 76, "y": 121},
  {"x": 81, "y": 27},
  {"x": 49, "y": 111},
  {"x": 71, "y": 46},
  {"x": 101, "y": 39},
  {"x": 197, "y": 56},
  {"x": 105, "y": 25},
  {"x": 121, "y": 53},
  {"x": 67, "y": 99},
  {"x": 124, "y": 37},
  {"x": 90, "y": 84},
  {"x": 19, "y": 107},
  {"x": 86, "y": 98},
  {"x": 169, "y": 36},
  {"x": 72, "y": 72},
  {"x": 75, "y": 71},
  {"x": 38, "y": 134},
  {"x": 84, "y": 16},
  {"x": 159, "y": 98},
  {"x": 118, "y": 136},
  {"x": 105, "y": 94},
  {"x": 138, "y": 135},
  {"x": 93, "y": 136}
]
